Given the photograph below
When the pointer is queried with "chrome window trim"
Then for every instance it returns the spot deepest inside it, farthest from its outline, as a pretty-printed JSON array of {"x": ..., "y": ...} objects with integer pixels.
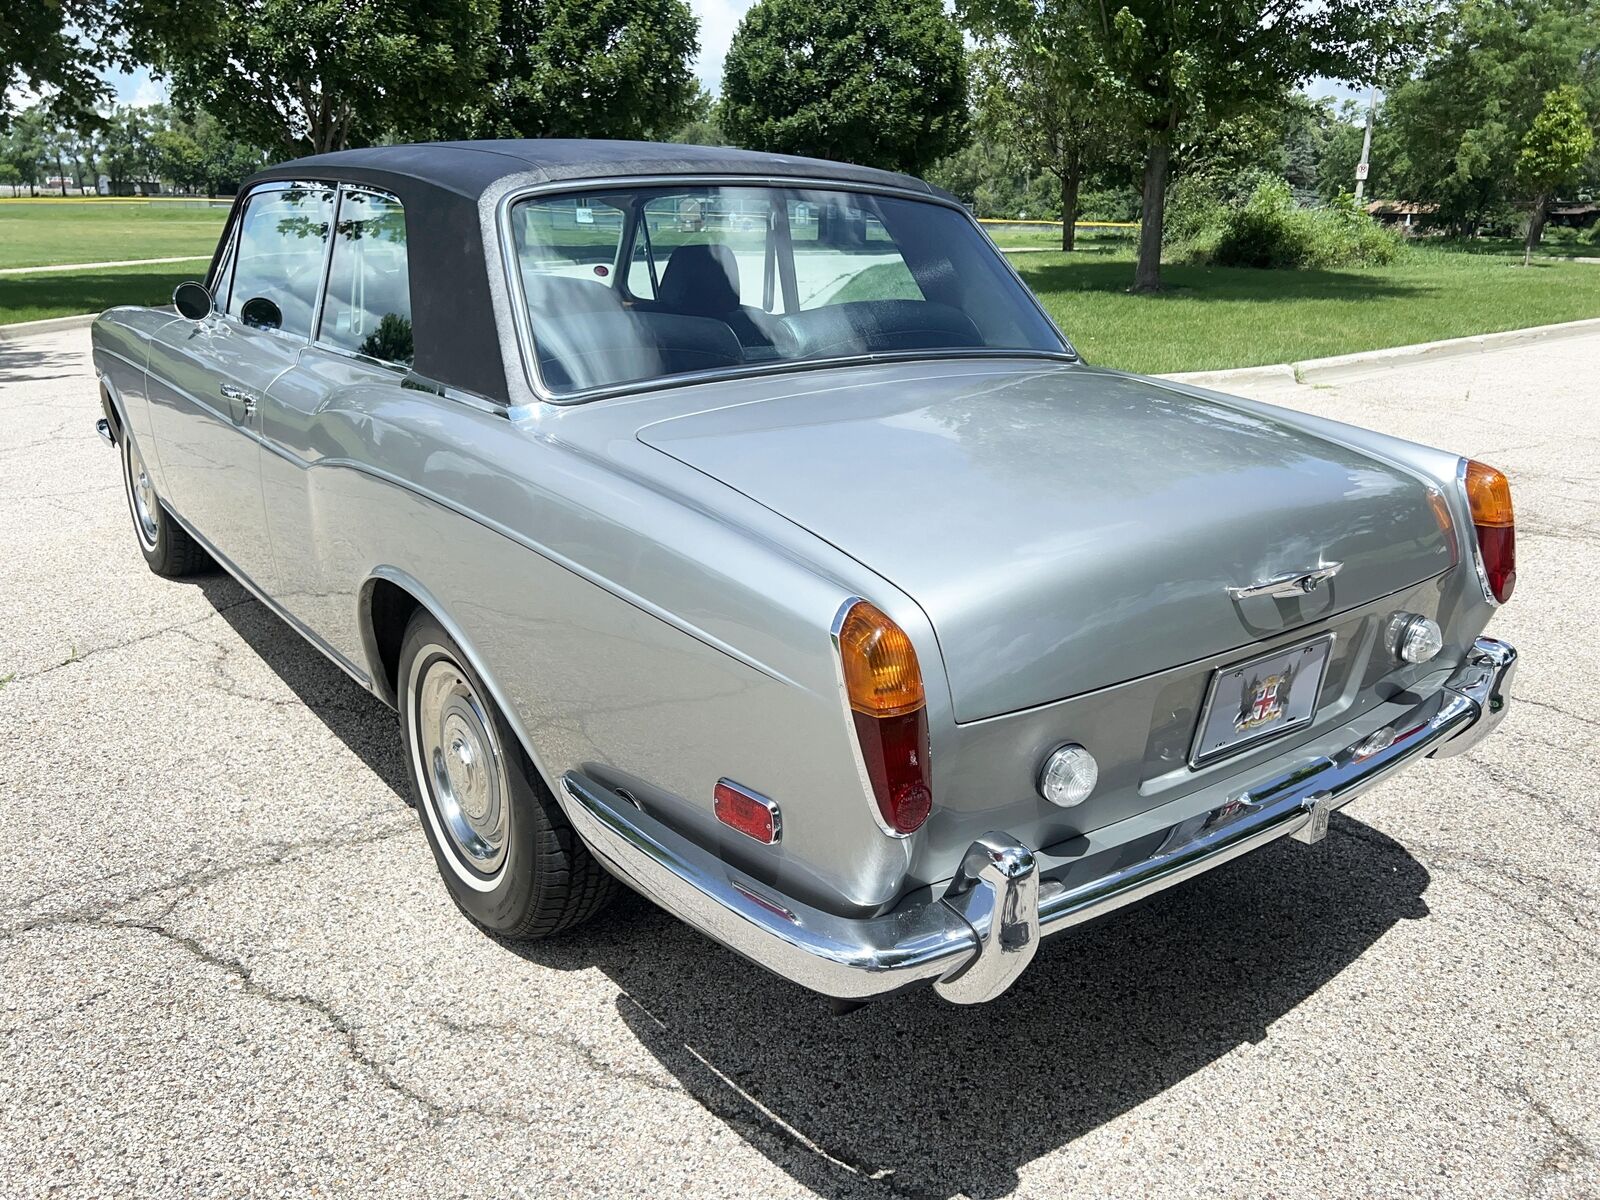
[
  {"x": 317, "y": 339},
  {"x": 522, "y": 325},
  {"x": 279, "y": 185},
  {"x": 1474, "y": 549},
  {"x": 408, "y": 378}
]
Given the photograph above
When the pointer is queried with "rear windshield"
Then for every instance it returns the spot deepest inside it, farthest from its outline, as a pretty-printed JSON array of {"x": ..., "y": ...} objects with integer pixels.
[{"x": 642, "y": 284}]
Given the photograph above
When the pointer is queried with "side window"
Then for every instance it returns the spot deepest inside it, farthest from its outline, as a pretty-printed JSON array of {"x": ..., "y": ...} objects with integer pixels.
[
  {"x": 843, "y": 254},
  {"x": 279, "y": 259},
  {"x": 368, "y": 304}
]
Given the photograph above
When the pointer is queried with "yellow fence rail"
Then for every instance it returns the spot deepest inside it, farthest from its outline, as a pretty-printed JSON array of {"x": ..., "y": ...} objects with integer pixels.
[{"x": 1057, "y": 224}]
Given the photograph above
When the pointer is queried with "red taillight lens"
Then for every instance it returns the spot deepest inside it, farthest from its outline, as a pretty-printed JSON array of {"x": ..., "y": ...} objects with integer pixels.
[
  {"x": 752, "y": 815},
  {"x": 1489, "y": 498},
  {"x": 883, "y": 685}
]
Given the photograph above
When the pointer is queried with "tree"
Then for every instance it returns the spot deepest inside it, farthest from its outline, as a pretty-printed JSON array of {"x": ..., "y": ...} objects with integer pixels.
[
  {"x": 196, "y": 155},
  {"x": 879, "y": 82},
  {"x": 583, "y": 68},
  {"x": 1039, "y": 103},
  {"x": 24, "y": 149},
  {"x": 1167, "y": 66},
  {"x": 702, "y": 125},
  {"x": 1458, "y": 124},
  {"x": 1553, "y": 151},
  {"x": 125, "y": 150},
  {"x": 58, "y": 48},
  {"x": 307, "y": 76}
]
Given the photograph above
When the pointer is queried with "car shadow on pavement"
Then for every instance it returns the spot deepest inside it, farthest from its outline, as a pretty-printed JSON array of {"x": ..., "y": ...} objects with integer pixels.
[
  {"x": 355, "y": 716},
  {"x": 913, "y": 1095}
]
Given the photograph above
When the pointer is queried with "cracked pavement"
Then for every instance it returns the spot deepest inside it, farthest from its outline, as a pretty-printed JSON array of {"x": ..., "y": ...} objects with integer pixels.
[{"x": 227, "y": 966}]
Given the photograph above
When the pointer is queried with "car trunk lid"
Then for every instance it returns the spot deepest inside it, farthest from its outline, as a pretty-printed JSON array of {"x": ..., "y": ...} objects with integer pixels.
[{"x": 1063, "y": 528}]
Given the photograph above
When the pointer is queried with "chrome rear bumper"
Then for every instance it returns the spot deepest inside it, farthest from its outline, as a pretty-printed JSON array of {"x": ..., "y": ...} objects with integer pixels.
[{"x": 975, "y": 940}]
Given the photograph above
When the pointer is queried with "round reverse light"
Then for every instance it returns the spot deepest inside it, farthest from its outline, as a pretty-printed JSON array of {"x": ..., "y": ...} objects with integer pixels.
[
  {"x": 1420, "y": 640},
  {"x": 1069, "y": 776}
]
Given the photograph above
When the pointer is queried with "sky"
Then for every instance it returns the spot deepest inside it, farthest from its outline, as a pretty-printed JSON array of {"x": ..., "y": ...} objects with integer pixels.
[{"x": 718, "y": 20}]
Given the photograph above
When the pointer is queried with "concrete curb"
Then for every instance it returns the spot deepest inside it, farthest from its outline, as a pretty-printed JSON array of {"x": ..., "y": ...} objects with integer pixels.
[
  {"x": 22, "y": 329},
  {"x": 1347, "y": 366}
]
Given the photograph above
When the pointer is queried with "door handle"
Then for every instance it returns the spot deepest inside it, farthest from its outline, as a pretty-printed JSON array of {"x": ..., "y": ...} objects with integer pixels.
[{"x": 243, "y": 395}]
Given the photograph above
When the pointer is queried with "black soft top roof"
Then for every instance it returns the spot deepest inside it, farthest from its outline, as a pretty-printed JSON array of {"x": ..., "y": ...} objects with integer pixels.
[{"x": 439, "y": 184}]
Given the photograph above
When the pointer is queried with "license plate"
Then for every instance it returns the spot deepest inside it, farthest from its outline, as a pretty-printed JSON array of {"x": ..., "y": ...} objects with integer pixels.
[{"x": 1260, "y": 699}]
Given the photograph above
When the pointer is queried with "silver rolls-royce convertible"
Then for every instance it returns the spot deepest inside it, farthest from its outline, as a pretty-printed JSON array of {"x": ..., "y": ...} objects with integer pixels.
[{"x": 741, "y": 528}]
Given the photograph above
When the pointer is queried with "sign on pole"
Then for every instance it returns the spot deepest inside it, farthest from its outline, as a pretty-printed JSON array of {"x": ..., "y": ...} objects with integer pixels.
[{"x": 1361, "y": 171}]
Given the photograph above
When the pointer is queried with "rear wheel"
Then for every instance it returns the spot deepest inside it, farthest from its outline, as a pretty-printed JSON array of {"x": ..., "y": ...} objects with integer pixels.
[
  {"x": 504, "y": 849},
  {"x": 166, "y": 546}
]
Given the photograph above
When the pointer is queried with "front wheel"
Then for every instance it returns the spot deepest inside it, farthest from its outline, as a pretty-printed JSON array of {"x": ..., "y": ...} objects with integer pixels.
[
  {"x": 504, "y": 849},
  {"x": 166, "y": 546}
]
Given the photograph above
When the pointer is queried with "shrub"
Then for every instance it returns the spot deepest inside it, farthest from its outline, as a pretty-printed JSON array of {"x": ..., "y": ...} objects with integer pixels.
[{"x": 1270, "y": 230}]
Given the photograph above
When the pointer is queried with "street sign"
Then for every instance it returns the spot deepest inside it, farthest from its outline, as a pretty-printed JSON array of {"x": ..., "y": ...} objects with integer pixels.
[{"x": 1361, "y": 170}]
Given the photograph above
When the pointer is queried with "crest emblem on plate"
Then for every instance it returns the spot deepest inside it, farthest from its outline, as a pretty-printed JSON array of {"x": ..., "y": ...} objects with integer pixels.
[{"x": 1263, "y": 701}]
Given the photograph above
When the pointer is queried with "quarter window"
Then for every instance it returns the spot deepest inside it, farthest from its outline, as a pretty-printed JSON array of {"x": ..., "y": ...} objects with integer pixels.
[
  {"x": 368, "y": 305},
  {"x": 282, "y": 242}
]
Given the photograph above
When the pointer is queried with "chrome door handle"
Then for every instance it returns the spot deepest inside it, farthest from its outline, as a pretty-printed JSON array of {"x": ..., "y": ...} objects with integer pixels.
[
  {"x": 247, "y": 397},
  {"x": 1297, "y": 583}
]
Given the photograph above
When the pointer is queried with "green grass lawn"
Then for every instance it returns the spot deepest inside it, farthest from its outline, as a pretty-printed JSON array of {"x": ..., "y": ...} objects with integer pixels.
[
  {"x": 1216, "y": 317},
  {"x": 34, "y": 297},
  {"x": 37, "y": 233}
]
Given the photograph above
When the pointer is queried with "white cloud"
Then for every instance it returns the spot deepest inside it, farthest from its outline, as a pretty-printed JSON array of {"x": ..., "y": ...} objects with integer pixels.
[
  {"x": 147, "y": 92},
  {"x": 718, "y": 20}
]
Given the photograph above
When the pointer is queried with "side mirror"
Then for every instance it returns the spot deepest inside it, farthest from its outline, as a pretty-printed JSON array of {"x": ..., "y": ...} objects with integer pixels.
[
  {"x": 260, "y": 313},
  {"x": 191, "y": 300}
]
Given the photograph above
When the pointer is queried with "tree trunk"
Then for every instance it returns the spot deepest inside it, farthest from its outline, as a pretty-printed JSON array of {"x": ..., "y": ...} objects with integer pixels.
[
  {"x": 1535, "y": 228},
  {"x": 61, "y": 172},
  {"x": 1158, "y": 158},
  {"x": 1070, "y": 179}
]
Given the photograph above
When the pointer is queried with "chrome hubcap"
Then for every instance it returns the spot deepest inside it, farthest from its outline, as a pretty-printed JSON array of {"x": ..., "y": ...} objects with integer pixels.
[
  {"x": 142, "y": 498},
  {"x": 459, "y": 764}
]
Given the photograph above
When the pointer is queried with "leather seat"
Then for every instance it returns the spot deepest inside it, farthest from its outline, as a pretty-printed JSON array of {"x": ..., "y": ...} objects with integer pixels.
[{"x": 702, "y": 280}]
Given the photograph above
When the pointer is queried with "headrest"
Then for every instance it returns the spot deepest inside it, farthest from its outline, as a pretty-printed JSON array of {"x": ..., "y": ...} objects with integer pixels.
[{"x": 701, "y": 279}]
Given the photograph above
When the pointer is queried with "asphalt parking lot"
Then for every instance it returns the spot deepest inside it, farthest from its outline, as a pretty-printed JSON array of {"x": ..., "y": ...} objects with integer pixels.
[{"x": 227, "y": 965}]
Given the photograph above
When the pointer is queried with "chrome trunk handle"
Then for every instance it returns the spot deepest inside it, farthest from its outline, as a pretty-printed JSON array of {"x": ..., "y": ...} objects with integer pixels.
[{"x": 1296, "y": 583}]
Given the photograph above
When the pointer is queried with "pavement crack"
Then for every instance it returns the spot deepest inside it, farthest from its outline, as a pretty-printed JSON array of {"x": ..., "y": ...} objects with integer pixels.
[
  {"x": 1568, "y": 1148},
  {"x": 581, "y": 1050},
  {"x": 79, "y": 656},
  {"x": 191, "y": 882}
]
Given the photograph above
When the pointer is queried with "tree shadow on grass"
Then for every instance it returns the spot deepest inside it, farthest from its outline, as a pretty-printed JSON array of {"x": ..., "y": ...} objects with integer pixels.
[
  {"x": 1238, "y": 284},
  {"x": 23, "y": 297}
]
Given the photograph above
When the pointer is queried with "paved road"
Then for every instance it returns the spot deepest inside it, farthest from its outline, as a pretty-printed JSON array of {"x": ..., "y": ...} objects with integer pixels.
[{"x": 226, "y": 964}]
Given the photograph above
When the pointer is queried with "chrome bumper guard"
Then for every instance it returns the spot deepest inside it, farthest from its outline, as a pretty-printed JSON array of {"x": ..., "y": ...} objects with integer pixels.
[{"x": 975, "y": 940}]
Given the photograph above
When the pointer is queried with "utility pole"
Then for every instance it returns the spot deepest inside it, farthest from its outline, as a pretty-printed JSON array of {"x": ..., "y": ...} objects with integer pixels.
[{"x": 1366, "y": 142}]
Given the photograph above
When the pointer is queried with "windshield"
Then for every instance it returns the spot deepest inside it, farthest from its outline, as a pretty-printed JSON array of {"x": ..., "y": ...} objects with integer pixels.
[{"x": 640, "y": 284}]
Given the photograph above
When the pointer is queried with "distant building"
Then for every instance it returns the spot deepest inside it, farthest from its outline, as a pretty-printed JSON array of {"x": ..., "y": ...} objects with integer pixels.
[
  {"x": 1575, "y": 214},
  {"x": 1408, "y": 216},
  {"x": 128, "y": 187}
]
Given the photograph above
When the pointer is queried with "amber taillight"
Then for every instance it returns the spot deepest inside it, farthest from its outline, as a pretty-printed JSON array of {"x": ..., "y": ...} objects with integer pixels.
[
  {"x": 883, "y": 686},
  {"x": 1489, "y": 499}
]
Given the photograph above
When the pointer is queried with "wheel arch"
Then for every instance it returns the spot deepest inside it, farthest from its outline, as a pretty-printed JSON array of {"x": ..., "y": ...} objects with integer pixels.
[{"x": 387, "y": 601}]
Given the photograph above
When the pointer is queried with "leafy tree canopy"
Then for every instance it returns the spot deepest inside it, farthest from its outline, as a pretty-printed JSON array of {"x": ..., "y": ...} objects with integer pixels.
[
  {"x": 880, "y": 82},
  {"x": 1459, "y": 124},
  {"x": 585, "y": 68},
  {"x": 305, "y": 76},
  {"x": 1169, "y": 65},
  {"x": 58, "y": 48}
]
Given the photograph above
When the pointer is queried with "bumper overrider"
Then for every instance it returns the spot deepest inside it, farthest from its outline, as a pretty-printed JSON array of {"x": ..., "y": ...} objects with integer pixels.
[{"x": 979, "y": 935}]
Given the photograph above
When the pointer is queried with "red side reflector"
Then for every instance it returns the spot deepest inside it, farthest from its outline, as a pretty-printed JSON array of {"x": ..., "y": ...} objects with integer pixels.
[{"x": 751, "y": 814}]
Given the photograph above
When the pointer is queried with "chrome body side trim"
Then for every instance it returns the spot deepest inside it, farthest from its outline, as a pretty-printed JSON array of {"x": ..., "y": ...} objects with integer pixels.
[{"x": 981, "y": 933}]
